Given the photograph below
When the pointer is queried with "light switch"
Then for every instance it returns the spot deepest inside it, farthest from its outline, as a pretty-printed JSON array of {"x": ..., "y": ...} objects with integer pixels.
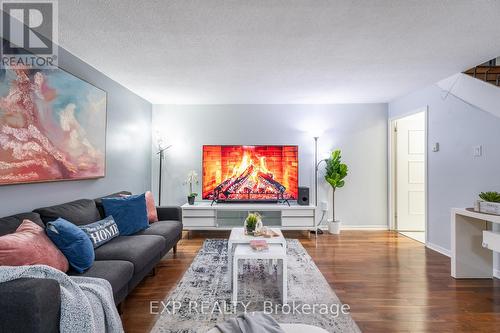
[
  {"x": 435, "y": 147},
  {"x": 478, "y": 151}
]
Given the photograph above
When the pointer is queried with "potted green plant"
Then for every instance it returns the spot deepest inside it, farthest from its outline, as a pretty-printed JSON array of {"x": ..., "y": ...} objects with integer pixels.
[
  {"x": 191, "y": 179},
  {"x": 489, "y": 203},
  {"x": 335, "y": 172},
  {"x": 251, "y": 222},
  {"x": 191, "y": 197}
]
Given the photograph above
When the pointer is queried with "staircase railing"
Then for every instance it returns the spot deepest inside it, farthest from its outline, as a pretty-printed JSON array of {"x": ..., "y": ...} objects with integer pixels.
[{"x": 488, "y": 72}]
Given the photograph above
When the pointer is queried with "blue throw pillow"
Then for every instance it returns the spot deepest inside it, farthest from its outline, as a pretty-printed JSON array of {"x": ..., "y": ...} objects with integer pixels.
[
  {"x": 73, "y": 243},
  {"x": 129, "y": 212},
  {"x": 101, "y": 232}
]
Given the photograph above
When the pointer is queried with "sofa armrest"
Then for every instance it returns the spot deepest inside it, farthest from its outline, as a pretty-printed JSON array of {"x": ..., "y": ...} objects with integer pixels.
[
  {"x": 30, "y": 305},
  {"x": 166, "y": 213}
]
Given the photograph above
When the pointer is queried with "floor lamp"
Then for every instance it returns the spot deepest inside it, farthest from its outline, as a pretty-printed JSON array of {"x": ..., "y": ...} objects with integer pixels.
[
  {"x": 316, "y": 169},
  {"x": 316, "y": 165},
  {"x": 161, "y": 152}
]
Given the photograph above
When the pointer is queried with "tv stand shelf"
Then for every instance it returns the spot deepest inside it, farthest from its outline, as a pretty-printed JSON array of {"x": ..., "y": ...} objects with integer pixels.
[{"x": 225, "y": 216}]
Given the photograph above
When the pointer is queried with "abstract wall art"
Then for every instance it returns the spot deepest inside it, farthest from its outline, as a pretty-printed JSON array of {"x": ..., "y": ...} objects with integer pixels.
[{"x": 52, "y": 127}]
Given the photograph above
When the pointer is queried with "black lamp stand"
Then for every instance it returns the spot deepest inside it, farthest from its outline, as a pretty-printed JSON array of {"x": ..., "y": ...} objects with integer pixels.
[{"x": 161, "y": 152}]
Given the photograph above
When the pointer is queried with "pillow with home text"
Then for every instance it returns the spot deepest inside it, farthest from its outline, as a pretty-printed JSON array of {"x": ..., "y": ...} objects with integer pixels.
[{"x": 101, "y": 232}]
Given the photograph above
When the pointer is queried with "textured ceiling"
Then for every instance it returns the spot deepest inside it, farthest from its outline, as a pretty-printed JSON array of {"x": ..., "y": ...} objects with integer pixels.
[{"x": 271, "y": 51}]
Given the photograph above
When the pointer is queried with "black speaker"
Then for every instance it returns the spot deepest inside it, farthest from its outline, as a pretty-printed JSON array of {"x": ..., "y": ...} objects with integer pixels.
[{"x": 303, "y": 198}]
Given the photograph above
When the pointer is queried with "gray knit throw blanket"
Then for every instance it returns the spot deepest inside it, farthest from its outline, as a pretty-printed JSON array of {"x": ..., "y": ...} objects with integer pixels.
[{"x": 87, "y": 304}]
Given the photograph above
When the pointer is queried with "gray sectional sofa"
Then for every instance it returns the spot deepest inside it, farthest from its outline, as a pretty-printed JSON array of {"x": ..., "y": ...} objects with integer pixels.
[{"x": 33, "y": 305}]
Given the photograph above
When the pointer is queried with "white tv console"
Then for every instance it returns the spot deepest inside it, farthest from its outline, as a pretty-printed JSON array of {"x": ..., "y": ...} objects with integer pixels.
[{"x": 220, "y": 216}]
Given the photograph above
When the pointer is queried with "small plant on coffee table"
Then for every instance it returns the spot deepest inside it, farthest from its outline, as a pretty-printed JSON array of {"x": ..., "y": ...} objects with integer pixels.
[{"x": 251, "y": 222}]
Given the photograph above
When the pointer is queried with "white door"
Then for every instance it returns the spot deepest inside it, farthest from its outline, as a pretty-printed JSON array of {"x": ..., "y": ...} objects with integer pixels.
[{"x": 410, "y": 172}]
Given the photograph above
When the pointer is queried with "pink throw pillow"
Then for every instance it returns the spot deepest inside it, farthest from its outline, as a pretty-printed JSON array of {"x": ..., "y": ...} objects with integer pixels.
[
  {"x": 29, "y": 245},
  {"x": 150, "y": 206}
]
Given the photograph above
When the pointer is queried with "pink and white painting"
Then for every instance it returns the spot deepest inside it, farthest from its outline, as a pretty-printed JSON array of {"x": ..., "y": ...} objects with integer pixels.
[{"x": 52, "y": 127}]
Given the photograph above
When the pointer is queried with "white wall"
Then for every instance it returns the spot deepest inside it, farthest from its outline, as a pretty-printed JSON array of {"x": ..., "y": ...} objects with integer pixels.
[
  {"x": 455, "y": 175},
  {"x": 360, "y": 130}
]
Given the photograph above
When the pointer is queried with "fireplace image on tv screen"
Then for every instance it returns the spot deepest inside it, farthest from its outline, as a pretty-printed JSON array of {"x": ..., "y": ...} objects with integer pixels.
[{"x": 250, "y": 173}]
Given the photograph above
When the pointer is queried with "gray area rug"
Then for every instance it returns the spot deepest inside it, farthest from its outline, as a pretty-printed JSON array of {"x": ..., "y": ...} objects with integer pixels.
[{"x": 203, "y": 296}]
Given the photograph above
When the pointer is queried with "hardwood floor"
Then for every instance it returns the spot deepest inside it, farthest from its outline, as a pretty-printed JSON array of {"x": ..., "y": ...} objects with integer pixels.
[{"x": 392, "y": 284}]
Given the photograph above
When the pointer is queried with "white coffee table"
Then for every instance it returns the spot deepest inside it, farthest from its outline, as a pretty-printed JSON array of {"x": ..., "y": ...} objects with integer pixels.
[
  {"x": 275, "y": 252},
  {"x": 238, "y": 237}
]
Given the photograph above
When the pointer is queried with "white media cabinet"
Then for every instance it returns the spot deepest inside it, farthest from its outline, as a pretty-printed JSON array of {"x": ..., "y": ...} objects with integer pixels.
[{"x": 220, "y": 216}]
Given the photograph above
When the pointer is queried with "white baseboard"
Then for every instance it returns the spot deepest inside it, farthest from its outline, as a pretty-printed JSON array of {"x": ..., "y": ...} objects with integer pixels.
[
  {"x": 496, "y": 273},
  {"x": 357, "y": 227},
  {"x": 364, "y": 227},
  {"x": 439, "y": 249}
]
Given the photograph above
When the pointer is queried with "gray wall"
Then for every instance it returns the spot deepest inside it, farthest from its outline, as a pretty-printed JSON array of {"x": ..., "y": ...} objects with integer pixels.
[
  {"x": 128, "y": 149},
  {"x": 360, "y": 130},
  {"x": 455, "y": 175}
]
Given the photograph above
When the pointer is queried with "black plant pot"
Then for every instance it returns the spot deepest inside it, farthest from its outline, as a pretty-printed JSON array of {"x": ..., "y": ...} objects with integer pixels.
[{"x": 191, "y": 200}]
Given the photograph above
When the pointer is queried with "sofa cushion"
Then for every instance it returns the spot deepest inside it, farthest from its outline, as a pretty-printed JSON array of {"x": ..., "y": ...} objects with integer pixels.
[
  {"x": 73, "y": 242},
  {"x": 101, "y": 232},
  {"x": 137, "y": 249},
  {"x": 129, "y": 212},
  {"x": 79, "y": 212},
  {"x": 117, "y": 272},
  {"x": 29, "y": 245},
  {"x": 98, "y": 201},
  {"x": 150, "y": 206},
  {"x": 169, "y": 230},
  {"x": 9, "y": 224}
]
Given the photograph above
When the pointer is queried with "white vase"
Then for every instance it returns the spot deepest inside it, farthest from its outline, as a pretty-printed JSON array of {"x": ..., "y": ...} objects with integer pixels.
[
  {"x": 259, "y": 226},
  {"x": 334, "y": 227}
]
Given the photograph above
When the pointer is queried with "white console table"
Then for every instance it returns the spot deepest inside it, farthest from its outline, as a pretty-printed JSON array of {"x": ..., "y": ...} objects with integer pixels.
[
  {"x": 469, "y": 259},
  {"x": 203, "y": 216}
]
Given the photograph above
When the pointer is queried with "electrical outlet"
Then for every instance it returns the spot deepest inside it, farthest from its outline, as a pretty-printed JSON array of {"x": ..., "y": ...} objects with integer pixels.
[
  {"x": 478, "y": 151},
  {"x": 435, "y": 147},
  {"x": 324, "y": 206}
]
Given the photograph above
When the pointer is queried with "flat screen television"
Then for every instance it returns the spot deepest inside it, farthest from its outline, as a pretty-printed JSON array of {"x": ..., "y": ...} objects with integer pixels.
[{"x": 250, "y": 173}]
